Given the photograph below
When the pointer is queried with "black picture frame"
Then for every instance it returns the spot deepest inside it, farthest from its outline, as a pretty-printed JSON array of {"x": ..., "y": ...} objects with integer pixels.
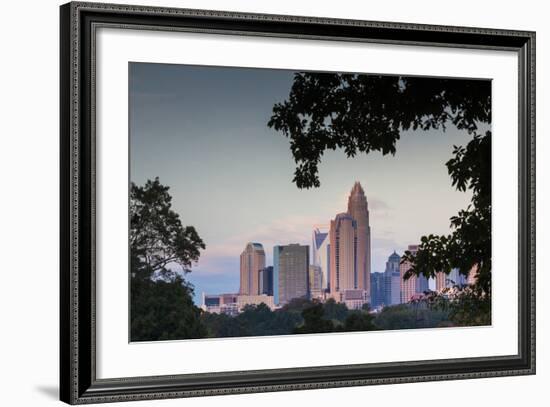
[{"x": 78, "y": 382}]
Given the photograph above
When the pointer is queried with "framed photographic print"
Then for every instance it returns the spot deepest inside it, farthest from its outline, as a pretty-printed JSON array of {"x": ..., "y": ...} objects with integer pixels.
[{"x": 256, "y": 203}]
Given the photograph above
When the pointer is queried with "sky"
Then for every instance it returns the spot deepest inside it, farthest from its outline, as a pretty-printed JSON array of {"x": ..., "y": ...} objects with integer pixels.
[{"x": 203, "y": 131}]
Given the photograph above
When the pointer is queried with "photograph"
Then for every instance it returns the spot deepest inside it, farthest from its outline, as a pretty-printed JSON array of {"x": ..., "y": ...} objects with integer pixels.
[{"x": 267, "y": 202}]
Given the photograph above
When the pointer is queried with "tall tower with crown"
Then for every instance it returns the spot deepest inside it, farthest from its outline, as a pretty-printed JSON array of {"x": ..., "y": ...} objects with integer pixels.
[{"x": 358, "y": 208}]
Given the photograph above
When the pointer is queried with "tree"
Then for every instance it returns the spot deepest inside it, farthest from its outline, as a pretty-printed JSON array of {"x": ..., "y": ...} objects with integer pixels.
[
  {"x": 335, "y": 311},
  {"x": 463, "y": 305},
  {"x": 222, "y": 325},
  {"x": 254, "y": 320},
  {"x": 157, "y": 237},
  {"x": 368, "y": 113},
  {"x": 163, "y": 310},
  {"x": 359, "y": 321},
  {"x": 161, "y": 304},
  {"x": 410, "y": 316},
  {"x": 314, "y": 321}
]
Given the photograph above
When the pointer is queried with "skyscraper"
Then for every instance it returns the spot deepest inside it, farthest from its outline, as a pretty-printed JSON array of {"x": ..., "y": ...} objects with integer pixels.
[
  {"x": 415, "y": 284},
  {"x": 321, "y": 252},
  {"x": 392, "y": 280},
  {"x": 377, "y": 289},
  {"x": 290, "y": 272},
  {"x": 350, "y": 255},
  {"x": 252, "y": 261},
  {"x": 315, "y": 282},
  {"x": 454, "y": 278},
  {"x": 343, "y": 254},
  {"x": 359, "y": 210},
  {"x": 266, "y": 280},
  {"x": 422, "y": 284}
]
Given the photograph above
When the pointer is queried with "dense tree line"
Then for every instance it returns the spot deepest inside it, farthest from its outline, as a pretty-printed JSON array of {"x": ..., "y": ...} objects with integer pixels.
[{"x": 303, "y": 316}]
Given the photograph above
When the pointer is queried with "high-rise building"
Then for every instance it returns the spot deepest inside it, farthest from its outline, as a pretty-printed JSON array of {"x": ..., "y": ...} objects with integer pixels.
[
  {"x": 321, "y": 252},
  {"x": 440, "y": 281},
  {"x": 252, "y": 261},
  {"x": 290, "y": 272},
  {"x": 315, "y": 282},
  {"x": 453, "y": 279},
  {"x": 266, "y": 280},
  {"x": 359, "y": 210},
  {"x": 422, "y": 284},
  {"x": 343, "y": 254},
  {"x": 350, "y": 254},
  {"x": 377, "y": 289},
  {"x": 392, "y": 280},
  {"x": 415, "y": 284},
  {"x": 408, "y": 287}
]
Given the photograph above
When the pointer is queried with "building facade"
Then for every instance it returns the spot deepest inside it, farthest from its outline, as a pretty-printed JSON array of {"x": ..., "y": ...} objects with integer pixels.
[
  {"x": 422, "y": 284},
  {"x": 350, "y": 247},
  {"x": 266, "y": 280},
  {"x": 252, "y": 261},
  {"x": 355, "y": 299},
  {"x": 408, "y": 287},
  {"x": 220, "y": 304},
  {"x": 440, "y": 281},
  {"x": 244, "y": 300},
  {"x": 453, "y": 279},
  {"x": 290, "y": 273},
  {"x": 377, "y": 289},
  {"x": 321, "y": 252},
  {"x": 343, "y": 251},
  {"x": 233, "y": 304},
  {"x": 392, "y": 280},
  {"x": 315, "y": 282},
  {"x": 415, "y": 286},
  {"x": 358, "y": 208}
]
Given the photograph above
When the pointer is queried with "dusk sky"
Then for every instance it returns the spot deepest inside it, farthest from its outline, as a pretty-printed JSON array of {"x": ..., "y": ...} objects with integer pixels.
[{"x": 203, "y": 131}]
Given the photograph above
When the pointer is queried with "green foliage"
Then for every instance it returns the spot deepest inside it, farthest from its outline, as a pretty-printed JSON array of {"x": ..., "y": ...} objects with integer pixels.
[
  {"x": 410, "y": 316},
  {"x": 254, "y": 320},
  {"x": 300, "y": 316},
  {"x": 469, "y": 246},
  {"x": 359, "y": 321},
  {"x": 314, "y": 321},
  {"x": 157, "y": 237},
  {"x": 163, "y": 310},
  {"x": 335, "y": 311},
  {"x": 161, "y": 304},
  {"x": 364, "y": 113},
  {"x": 464, "y": 306},
  {"x": 222, "y": 326},
  {"x": 297, "y": 305},
  {"x": 367, "y": 113}
]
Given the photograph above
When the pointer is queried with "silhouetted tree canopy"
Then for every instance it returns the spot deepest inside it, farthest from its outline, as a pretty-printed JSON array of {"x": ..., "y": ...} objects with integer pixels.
[
  {"x": 359, "y": 321},
  {"x": 314, "y": 321},
  {"x": 163, "y": 310},
  {"x": 411, "y": 316},
  {"x": 161, "y": 301},
  {"x": 368, "y": 113},
  {"x": 157, "y": 237}
]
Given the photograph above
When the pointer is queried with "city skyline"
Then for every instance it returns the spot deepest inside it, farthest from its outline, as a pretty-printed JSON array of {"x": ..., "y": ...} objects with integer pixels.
[
  {"x": 183, "y": 117},
  {"x": 340, "y": 255}
]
